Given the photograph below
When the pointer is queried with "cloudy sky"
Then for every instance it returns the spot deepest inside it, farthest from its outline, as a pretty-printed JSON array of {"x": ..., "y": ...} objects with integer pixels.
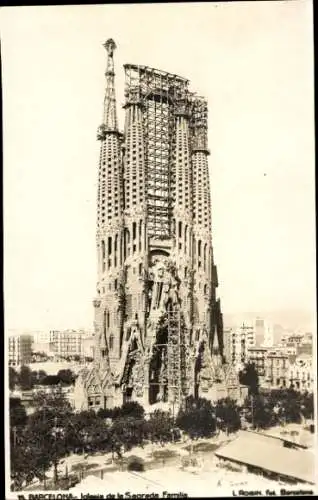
[{"x": 253, "y": 61}]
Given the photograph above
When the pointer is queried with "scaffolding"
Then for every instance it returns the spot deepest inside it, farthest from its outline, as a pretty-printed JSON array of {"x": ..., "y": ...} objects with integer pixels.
[
  {"x": 176, "y": 357},
  {"x": 159, "y": 94}
]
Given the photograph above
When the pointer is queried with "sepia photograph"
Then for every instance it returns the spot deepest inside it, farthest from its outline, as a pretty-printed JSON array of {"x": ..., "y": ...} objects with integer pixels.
[{"x": 160, "y": 324}]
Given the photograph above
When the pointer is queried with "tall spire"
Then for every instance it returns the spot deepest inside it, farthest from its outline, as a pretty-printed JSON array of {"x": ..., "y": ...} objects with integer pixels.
[{"x": 110, "y": 123}]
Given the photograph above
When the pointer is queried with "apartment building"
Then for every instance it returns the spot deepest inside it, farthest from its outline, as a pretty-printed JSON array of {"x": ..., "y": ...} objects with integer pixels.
[
  {"x": 300, "y": 373},
  {"x": 20, "y": 349},
  {"x": 66, "y": 343},
  {"x": 276, "y": 369},
  {"x": 257, "y": 356},
  {"x": 240, "y": 340}
]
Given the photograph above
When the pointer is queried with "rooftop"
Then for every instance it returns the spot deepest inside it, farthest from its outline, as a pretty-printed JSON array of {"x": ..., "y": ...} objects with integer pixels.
[
  {"x": 154, "y": 72},
  {"x": 286, "y": 462}
]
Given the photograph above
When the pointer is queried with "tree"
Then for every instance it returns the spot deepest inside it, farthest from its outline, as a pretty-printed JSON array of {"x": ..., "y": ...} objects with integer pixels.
[
  {"x": 18, "y": 416},
  {"x": 159, "y": 427},
  {"x": 66, "y": 376},
  {"x": 18, "y": 421},
  {"x": 105, "y": 413},
  {"x": 196, "y": 418},
  {"x": 129, "y": 409},
  {"x": 42, "y": 441},
  {"x": 29, "y": 459},
  {"x": 50, "y": 425},
  {"x": 88, "y": 432},
  {"x": 227, "y": 415},
  {"x": 307, "y": 405},
  {"x": 41, "y": 376},
  {"x": 51, "y": 380},
  {"x": 249, "y": 377},
  {"x": 13, "y": 378},
  {"x": 290, "y": 408},
  {"x": 26, "y": 380},
  {"x": 127, "y": 432},
  {"x": 132, "y": 409},
  {"x": 53, "y": 403},
  {"x": 287, "y": 404},
  {"x": 259, "y": 413}
]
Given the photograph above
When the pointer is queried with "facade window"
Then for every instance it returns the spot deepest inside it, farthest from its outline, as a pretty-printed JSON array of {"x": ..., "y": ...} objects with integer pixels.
[{"x": 111, "y": 342}]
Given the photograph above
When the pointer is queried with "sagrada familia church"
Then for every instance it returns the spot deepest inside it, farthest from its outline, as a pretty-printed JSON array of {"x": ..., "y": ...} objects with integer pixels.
[{"x": 158, "y": 321}]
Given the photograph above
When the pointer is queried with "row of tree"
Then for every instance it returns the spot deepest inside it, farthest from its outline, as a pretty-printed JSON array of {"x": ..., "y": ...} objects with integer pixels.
[
  {"x": 53, "y": 431},
  {"x": 26, "y": 379}
]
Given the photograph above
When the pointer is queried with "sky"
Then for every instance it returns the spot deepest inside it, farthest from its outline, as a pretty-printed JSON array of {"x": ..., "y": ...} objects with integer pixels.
[{"x": 254, "y": 63}]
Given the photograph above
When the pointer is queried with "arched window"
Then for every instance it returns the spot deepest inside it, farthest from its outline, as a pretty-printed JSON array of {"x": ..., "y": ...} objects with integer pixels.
[
  {"x": 115, "y": 249},
  {"x": 126, "y": 242},
  {"x": 204, "y": 255},
  {"x": 109, "y": 250},
  {"x": 199, "y": 253},
  {"x": 185, "y": 238},
  {"x": 103, "y": 255},
  {"x": 180, "y": 229},
  {"x": 173, "y": 226},
  {"x": 140, "y": 235},
  {"x": 111, "y": 342},
  {"x": 107, "y": 319}
]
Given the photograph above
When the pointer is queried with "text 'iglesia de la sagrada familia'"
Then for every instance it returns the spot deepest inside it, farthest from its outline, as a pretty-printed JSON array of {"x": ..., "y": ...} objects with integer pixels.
[{"x": 158, "y": 323}]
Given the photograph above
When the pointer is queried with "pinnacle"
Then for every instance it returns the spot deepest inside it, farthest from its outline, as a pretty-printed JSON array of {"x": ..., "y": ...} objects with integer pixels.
[{"x": 110, "y": 46}]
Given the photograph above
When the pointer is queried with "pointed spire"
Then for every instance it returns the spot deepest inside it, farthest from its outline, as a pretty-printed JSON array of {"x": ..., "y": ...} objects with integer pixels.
[
  {"x": 215, "y": 341},
  {"x": 103, "y": 344},
  {"x": 110, "y": 122}
]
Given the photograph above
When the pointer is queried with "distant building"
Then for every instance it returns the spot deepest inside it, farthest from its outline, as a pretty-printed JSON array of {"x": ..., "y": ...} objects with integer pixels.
[
  {"x": 308, "y": 338},
  {"x": 88, "y": 343},
  {"x": 289, "y": 350},
  {"x": 66, "y": 343},
  {"x": 240, "y": 340},
  {"x": 285, "y": 368},
  {"x": 305, "y": 348},
  {"x": 292, "y": 340},
  {"x": 302, "y": 343},
  {"x": 41, "y": 342},
  {"x": 278, "y": 332},
  {"x": 257, "y": 356},
  {"x": 20, "y": 350},
  {"x": 268, "y": 336},
  {"x": 276, "y": 369},
  {"x": 300, "y": 373},
  {"x": 228, "y": 332},
  {"x": 260, "y": 329}
]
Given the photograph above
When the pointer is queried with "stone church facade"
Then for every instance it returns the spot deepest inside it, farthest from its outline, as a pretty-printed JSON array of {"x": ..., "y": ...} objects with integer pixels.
[{"x": 158, "y": 321}]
